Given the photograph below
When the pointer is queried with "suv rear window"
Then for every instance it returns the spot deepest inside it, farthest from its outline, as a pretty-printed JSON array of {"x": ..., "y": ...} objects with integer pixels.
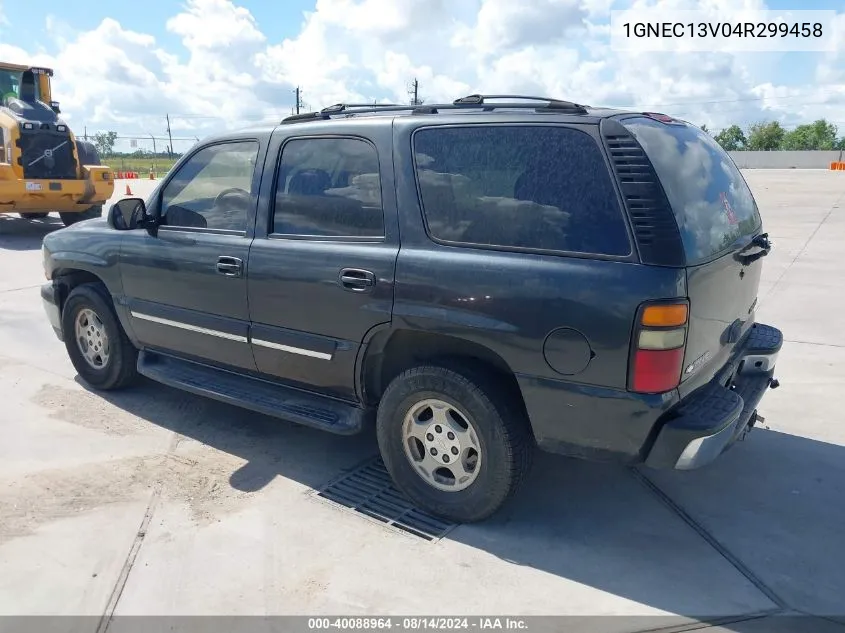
[
  {"x": 712, "y": 202},
  {"x": 530, "y": 187}
]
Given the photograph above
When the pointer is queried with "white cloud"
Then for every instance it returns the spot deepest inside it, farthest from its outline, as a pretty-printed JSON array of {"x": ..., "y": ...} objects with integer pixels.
[{"x": 230, "y": 73}]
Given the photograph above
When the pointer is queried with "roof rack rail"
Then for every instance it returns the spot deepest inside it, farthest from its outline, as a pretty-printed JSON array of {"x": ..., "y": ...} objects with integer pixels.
[
  {"x": 305, "y": 116},
  {"x": 472, "y": 101},
  {"x": 551, "y": 102},
  {"x": 342, "y": 107},
  {"x": 348, "y": 108}
]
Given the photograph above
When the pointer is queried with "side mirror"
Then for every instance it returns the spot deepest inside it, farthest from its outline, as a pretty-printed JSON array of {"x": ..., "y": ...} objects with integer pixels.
[
  {"x": 130, "y": 214},
  {"x": 54, "y": 106}
]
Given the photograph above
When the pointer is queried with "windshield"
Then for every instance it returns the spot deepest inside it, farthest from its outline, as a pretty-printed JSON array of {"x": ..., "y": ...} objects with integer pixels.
[
  {"x": 712, "y": 202},
  {"x": 10, "y": 84}
]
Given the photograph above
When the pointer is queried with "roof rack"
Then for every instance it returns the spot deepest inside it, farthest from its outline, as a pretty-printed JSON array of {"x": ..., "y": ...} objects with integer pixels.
[
  {"x": 469, "y": 102},
  {"x": 551, "y": 101},
  {"x": 340, "y": 107}
]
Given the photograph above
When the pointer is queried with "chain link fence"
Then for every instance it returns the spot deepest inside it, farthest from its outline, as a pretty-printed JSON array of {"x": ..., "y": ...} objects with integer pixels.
[{"x": 143, "y": 155}]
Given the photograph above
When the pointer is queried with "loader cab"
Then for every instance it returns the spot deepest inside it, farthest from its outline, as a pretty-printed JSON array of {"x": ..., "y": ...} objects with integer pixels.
[{"x": 27, "y": 84}]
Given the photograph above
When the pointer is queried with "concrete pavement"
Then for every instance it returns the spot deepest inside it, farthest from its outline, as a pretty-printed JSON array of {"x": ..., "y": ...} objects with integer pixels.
[{"x": 153, "y": 501}]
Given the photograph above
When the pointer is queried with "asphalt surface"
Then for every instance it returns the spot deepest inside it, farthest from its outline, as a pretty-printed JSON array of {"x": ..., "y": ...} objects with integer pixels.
[{"x": 153, "y": 501}]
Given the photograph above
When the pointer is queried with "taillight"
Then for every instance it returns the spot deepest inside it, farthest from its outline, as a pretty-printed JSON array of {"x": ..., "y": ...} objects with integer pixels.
[{"x": 658, "y": 346}]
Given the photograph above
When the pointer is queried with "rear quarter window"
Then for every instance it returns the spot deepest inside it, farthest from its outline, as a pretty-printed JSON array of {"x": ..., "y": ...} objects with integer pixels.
[
  {"x": 710, "y": 199},
  {"x": 524, "y": 187}
]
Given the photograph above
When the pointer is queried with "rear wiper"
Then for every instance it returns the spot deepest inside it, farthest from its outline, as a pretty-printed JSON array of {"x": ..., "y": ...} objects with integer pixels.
[{"x": 760, "y": 241}]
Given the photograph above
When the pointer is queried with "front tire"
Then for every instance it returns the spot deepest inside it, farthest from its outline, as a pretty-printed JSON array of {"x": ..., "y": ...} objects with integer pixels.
[
  {"x": 455, "y": 440},
  {"x": 95, "y": 341},
  {"x": 72, "y": 217}
]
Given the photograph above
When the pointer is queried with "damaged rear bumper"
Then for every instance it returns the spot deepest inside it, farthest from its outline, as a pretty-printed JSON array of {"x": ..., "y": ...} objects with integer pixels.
[{"x": 721, "y": 412}]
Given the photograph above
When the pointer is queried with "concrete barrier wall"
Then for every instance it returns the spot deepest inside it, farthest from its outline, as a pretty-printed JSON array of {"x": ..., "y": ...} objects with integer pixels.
[{"x": 786, "y": 160}]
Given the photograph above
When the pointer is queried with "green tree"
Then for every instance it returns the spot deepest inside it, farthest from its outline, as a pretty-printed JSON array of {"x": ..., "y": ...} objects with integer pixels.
[
  {"x": 819, "y": 135},
  {"x": 705, "y": 130},
  {"x": 765, "y": 136},
  {"x": 731, "y": 139},
  {"x": 104, "y": 142}
]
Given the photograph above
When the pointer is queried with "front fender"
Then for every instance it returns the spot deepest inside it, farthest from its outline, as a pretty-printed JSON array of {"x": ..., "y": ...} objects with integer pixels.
[
  {"x": 68, "y": 268},
  {"x": 64, "y": 263}
]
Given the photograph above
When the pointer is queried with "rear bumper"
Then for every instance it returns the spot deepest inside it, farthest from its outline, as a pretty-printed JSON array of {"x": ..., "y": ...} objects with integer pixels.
[
  {"x": 50, "y": 303},
  {"x": 714, "y": 417}
]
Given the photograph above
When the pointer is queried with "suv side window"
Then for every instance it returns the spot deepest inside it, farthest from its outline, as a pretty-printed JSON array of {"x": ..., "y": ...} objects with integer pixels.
[
  {"x": 213, "y": 189},
  {"x": 533, "y": 187},
  {"x": 328, "y": 187}
]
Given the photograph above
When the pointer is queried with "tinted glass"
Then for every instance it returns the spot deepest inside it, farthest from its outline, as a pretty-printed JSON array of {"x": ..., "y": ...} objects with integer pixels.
[
  {"x": 213, "y": 189},
  {"x": 711, "y": 201},
  {"x": 329, "y": 187},
  {"x": 518, "y": 186}
]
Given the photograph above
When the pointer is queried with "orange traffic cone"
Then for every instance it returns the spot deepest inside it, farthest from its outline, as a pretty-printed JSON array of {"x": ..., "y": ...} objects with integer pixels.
[{"x": 128, "y": 191}]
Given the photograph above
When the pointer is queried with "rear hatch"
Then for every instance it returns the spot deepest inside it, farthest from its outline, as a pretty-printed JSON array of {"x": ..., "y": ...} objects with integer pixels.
[{"x": 720, "y": 228}]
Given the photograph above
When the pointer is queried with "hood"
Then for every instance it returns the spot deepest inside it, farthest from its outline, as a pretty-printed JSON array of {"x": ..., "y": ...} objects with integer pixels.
[
  {"x": 36, "y": 112},
  {"x": 68, "y": 236}
]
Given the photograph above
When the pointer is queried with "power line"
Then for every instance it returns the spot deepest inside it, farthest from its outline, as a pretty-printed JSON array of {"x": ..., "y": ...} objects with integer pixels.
[
  {"x": 695, "y": 103},
  {"x": 415, "y": 99},
  {"x": 415, "y": 85},
  {"x": 413, "y": 92},
  {"x": 143, "y": 137}
]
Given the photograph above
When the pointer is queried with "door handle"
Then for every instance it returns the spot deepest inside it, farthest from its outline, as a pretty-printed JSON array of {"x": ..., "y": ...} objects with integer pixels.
[
  {"x": 357, "y": 280},
  {"x": 230, "y": 266}
]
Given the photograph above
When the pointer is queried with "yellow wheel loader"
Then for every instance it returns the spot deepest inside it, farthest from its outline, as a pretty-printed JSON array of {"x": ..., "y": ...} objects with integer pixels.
[{"x": 43, "y": 167}]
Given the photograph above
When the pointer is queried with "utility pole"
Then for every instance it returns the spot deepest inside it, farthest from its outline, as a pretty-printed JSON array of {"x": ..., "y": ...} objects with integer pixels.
[
  {"x": 414, "y": 92},
  {"x": 170, "y": 136},
  {"x": 298, "y": 99},
  {"x": 85, "y": 135}
]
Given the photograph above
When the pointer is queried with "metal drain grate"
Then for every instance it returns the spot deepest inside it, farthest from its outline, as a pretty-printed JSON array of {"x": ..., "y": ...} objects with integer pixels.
[{"x": 369, "y": 490}]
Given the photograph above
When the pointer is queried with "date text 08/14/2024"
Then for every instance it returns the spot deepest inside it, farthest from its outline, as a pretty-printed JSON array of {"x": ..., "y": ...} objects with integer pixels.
[{"x": 417, "y": 623}]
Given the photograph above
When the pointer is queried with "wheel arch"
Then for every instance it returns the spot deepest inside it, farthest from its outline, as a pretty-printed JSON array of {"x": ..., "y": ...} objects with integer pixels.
[
  {"x": 390, "y": 351},
  {"x": 66, "y": 279}
]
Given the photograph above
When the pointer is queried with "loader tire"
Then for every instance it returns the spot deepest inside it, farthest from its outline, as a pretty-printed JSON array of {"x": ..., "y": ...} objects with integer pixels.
[
  {"x": 69, "y": 218},
  {"x": 87, "y": 154}
]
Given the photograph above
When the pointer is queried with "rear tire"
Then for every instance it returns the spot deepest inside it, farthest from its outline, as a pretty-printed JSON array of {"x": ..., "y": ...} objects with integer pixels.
[
  {"x": 98, "y": 347},
  {"x": 33, "y": 216},
  {"x": 447, "y": 412},
  {"x": 72, "y": 217},
  {"x": 87, "y": 153}
]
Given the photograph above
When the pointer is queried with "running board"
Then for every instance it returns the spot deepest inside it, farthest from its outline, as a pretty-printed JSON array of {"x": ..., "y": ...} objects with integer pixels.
[{"x": 254, "y": 394}]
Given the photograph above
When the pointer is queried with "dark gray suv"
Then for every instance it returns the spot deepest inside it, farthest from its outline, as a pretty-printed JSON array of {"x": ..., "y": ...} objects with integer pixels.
[{"x": 477, "y": 278}]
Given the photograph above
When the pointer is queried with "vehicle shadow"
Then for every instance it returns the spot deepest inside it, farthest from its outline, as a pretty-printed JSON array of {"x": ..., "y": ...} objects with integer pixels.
[
  {"x": 774, "y": 503},
  {"x": 19, "y": 234}
]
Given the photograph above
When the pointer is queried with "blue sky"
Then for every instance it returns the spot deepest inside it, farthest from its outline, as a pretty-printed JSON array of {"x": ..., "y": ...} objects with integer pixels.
[
  {"x": 278, "y": 19},
  {"x": 221, "y": 63}
]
